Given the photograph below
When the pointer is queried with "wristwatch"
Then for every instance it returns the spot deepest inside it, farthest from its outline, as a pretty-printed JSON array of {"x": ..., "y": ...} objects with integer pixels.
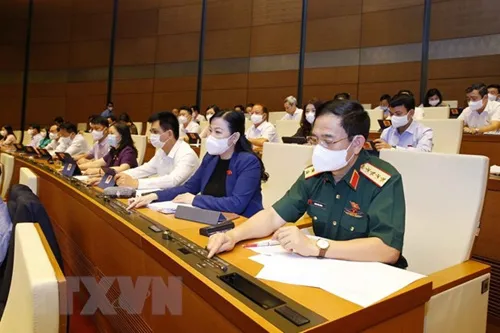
[{"x": 323, "y": 246}]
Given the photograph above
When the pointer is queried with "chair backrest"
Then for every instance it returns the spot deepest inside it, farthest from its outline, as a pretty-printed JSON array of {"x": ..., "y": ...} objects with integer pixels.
[
  {"x": 441, "y": 112},
  {"x": 138, "y": 125},
  {"x": 26, "y": 138},
  {"x": 447, "y": 134},
  {"x": 88, "y": 138},
  {"x": 375, "y": 115},
  {"x": 452, "y": 104},
  {"x": 18, "y": 135},
  {"x": 444, "y": 196},
  {"x": 274, "y": 116},
  {"x": 29, "y": 178},
  {"x": 8, "y": 170},
  {"x": 38, "y": 288},
  {"x": 81, "y": 127},
  {"x": 140, "y": 142},
  {"x": 283, "y": 175},
  {"x": 148, "y": 133},
  {"x": 248, "y": 124},
  {"x": 287, "y": 127},
  {"x": 203, "y": 148},
  {"x": 367, "y": 106}
]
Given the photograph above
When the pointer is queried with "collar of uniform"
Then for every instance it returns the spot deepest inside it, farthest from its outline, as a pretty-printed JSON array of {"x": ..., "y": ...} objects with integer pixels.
[
  {"x": 411, "y": 129},
  {"x": 363, "y": 157},
  {"x": 174, "y": 149}
]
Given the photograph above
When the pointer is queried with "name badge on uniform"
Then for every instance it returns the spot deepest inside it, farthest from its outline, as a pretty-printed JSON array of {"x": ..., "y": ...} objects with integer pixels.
[{"x": 316, "y": 204}]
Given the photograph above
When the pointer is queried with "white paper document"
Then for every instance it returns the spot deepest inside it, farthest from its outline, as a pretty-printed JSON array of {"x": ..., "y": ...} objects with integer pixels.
[
  {"x": 495, "y": 169},
  {"x": 82, "y": 178},
  {"x": 166, "y": 207},
  {"x": 363, "y": 283},
  {"x": 141, "y": 192}
]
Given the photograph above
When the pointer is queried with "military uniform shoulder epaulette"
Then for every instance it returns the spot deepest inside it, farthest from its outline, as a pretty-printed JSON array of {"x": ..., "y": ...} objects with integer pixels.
[
  {"x": 310, "y": 172},
  {"x": 376, "y": 175}
]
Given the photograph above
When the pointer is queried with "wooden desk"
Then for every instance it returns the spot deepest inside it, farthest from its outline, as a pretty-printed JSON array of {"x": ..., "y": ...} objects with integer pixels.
[{"x": 96, "y": 241}]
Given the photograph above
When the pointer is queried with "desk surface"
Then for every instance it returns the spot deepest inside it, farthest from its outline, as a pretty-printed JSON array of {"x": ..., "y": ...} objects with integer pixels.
[{"x": 87, "y": 230}]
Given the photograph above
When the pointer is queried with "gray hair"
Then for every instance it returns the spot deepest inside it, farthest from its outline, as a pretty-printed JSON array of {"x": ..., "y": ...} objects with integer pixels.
[{"x": 291, "y": 100}]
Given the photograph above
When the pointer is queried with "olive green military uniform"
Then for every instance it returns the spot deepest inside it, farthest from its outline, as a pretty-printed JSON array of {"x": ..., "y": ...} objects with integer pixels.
[{"x": 367, "y": 202}]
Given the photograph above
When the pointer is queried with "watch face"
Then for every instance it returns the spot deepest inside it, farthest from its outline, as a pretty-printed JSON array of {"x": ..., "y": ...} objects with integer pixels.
[{"x": 322, "y": 244}]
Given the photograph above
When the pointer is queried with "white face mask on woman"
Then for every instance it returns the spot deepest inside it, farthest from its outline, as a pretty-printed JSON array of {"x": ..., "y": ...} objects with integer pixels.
[
  {"x": 310, "y": 116},
  {"x": 434, "y": 102},
  {"x": 216, "y": 146}
]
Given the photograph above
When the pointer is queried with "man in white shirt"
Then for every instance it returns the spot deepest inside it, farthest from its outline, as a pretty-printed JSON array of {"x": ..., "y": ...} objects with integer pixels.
[
  {"x": 186, "y": 122},
  {"x": 54, "y": 138},
  {"x": 196, "y": 114},
  {"x": 482, "y": 115},
  {"x": 292, "y": 112},
  {"x": 261, "y": 130},
  {"x": 36, "y": 137},
  {"x": 494, "y": 92},
  {"x": 384, "y": 106},
  {"x": 99, "y": 126},
  {"x": 405, "y": 133},
  {"x": 173, "y": 164},
  {"x": 70, "y": 141}
]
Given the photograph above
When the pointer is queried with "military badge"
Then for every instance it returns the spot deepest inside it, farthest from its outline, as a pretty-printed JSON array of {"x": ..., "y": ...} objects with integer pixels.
[{"x": 355, "y": 210}]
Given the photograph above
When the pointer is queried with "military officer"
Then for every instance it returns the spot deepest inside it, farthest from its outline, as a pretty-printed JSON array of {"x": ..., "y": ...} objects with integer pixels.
[{"x": 355, "y": 200}]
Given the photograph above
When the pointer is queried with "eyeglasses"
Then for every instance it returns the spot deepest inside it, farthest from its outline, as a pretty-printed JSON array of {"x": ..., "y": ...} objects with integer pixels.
[{"x": 314, "y": 140}]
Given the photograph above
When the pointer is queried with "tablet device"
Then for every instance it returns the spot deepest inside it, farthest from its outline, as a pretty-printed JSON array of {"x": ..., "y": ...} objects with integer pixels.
[
  {"x": 30, "y": 150},
  {"x": 109, "y": 171},
  {"x": 384, "y": 123},
  {"x": 108, "y": 180},
  {"x": 44, "y": 154},
  {"x": 194, "y": 138},
  {"x": 300, "y": 140},
  {"x": 64, "y": 157}
]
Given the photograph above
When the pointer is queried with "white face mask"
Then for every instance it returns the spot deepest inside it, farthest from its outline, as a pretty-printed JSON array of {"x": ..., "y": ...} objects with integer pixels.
[
  {"x": 53, "y": 136},
  {"x": 30, "y": 132},
  {"x": 97, "y": 135},
  {"x": 256, "y": 118},
  {"x": 156, "y": 141},
  {"x": 113, "y": 140},
  {"x": 385, "y": 108},
  {"x": 182, "y": 120},
  {"x": 3, "y": 133},
  {"x": 324, "y": 159},
  {"x": 209, "y": 116},
  {"x": 474, "y": 106},
  {"x": 492, "y": 97},
  {"x": 217, "y": 146},
  {"x": 399, "y": 121},
  {"x": 310, "y": 117},
  {"x": 434, "y": 102}
]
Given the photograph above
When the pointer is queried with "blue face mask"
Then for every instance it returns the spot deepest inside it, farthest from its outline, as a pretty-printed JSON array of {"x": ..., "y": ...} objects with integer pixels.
[{"x": 112, "y": 140}]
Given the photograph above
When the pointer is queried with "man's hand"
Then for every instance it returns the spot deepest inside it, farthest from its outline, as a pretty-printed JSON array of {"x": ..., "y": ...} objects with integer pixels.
[
  {"x": 141, "y": 201},
  {"x": 220, "y": 242},
  {"x": 91, "y": 171},
  {"x": 122, "y": 179},
  {"x": 82, "y": 160},
  {"x": 292, "y": 239},
  {"x": 185, "y": 198},
  {"x": 381, "y": 144},
  {"x": 468, "y": 130}
]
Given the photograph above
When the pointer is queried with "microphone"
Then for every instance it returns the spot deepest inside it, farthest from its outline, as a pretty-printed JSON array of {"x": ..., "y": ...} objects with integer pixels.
[{"x": 119, "y": 192}]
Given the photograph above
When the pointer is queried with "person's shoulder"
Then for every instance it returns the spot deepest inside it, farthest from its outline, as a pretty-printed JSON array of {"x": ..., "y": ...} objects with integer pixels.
[
  {"x": 422, "y": 127},
  {"x": 379, "y": 171},
  {"x": 267, "y": 125},
  {"x": 246, "y": 158},
  {"x": 466, "y": 111}
]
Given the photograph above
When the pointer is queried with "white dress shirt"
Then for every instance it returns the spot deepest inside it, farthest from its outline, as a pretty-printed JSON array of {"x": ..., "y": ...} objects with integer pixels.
[
  {"x": 473, "y": 119},
  {"x": 172, "y": 170},
  {"x": 77, "y": 146},
  {"x": 295, "y": 116},
  {"x": 98, "y": 150},
  {"x": 52, "y": 145},
  {"x": 35, "y": 140},
  {"x": 417, "y": 137},
  {"x": 266, "y": 130},
  {"x": 192, "y": 127},
  {"x": 200, "y": 117}
]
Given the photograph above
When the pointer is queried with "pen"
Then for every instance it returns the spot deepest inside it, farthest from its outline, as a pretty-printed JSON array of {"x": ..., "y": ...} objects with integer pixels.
[{"x": 263, "y": 243}]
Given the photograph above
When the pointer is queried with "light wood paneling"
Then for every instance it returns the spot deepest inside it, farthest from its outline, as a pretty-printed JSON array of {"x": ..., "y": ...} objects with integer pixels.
[
  {"x": 319, "y": 9},
  {"x": 177, "y": 48},
  {"x": 228, "y": 14},
  {"x": 273, "y": 79},
  {"x": 91, "y": 27},
  {"x": 82, "y": 89},
  {"x": 225, "y": 81},
  {"x": 176, "y": 3},
  {"x": 168, "y": 100},
  {"x": 41, "y": 110},
  {"x": 49, "y": 56},
  {"x": 326, "y": 92},
  {"x": 186, "y": 83},
  {"x": 465, "y": 67},
  {"x": 180, "y": 20},
  {"x": 405, "y": 71},
  {"x": 135, "y": 51},
  {"x": 371, "y": 92},
  {"x": 224, "y": 98},
  {"x": 134, "y": 5},
  {"x": 47, "y": 89},
  {"x": 386, "y": 5},
  {"x": 138, "y": 106},
  {"x": 51, "y": 30},
  {"x": 275, "y": 39},
  {"x": 133, "y": 86},
  {"x": 92, "y": 6},
  {"x": 137, "y": 23},
  {"x": 233, "y": 43},
  {"x": 89, "y": 54},
  {"x": 80, "y": 107},
  {"x": 454, "y": 89},
  {"x": 331, "y": 75},
  {"x": 276, "y": 11},
  {"x": 336, "y": 33},
  {"x": 271, "y": 97}
]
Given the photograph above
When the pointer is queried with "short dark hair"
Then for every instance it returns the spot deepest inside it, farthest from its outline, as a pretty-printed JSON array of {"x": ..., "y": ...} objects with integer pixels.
[
  {"x": 385, "y": 97},
  {"x": 58, "y": 120},
  {"x": 407, "y": 101},
  {"x": 125, "y": 117},
  {"x": 495, "y": 86},
  {"x": 480, "y": 87},
  {"x": 9, "y": 130},
  {"x": 342, "y": 96},
  {"x": 432, "y": 92},
  {"x": 99, "y": 121},
  {"x": 239, "y": 106},
  {"x": 110, "y": 103},
  {"x": 187, "y": 108},
  {"x": 126, "y": 140},
  {"x": 69, "y": 127},
  {"x": 355, "y": 120},
  {"x": 249, "y": 105},
  {"x": 405, "y": 92},
  {"x": 168, "y": 121},
  {"x": 92, "y": 117},
  {"x": 214, "y": 107},
  {"x": 264, "y": 109},
  {"x": 35, "y": 126},
  {"x": 195, "y": 108},
  {"x": 112, "y": 117}
]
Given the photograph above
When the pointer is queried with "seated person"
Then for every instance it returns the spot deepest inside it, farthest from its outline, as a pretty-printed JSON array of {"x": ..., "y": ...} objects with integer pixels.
[
  {"x": 342, "y": 96},
  {"x": 89, "y": 123},
  {"x": 58, "y": 121},
  {"x": 261, "y": 130},
  {"x": 494, "y": 92},
  {"x": 44, "y": 142},
  {"x": 34, "y": 133},
  {"x": 121, "y": 156},
  {"x": 433, "y": 98},
  {"x": 111, "y": 120},
  {"x": 8, "y": 138},
  {"x": 196, "y": 114},
  {"x": 482, "y": 115},
  {"x": 239, "y": 108},
  {"x": 173, "y": 163},
  {"x": 307, "y": 121},
  {"x": 419, "y": 112},
  {"x": 175, "y": 111},
  {"x": 54, "y": 138},
  {"x": 109, "y": 110},
  {"x": 186, "y": 122},
  {"x": 229, "y": 177},
  {"x": 99, "y": 127},
  {"x": 248, "y": 110},
  {"x": 210, "y": 111},
  {"x": 291, "y": 109},
  {"x": 125, "y": 118},
  {"x": 70, "y": 141},
  {"x": 384, "y": 106},
  {"x": 405, "y": 132},
  {"x": 355, "y": 200}
]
